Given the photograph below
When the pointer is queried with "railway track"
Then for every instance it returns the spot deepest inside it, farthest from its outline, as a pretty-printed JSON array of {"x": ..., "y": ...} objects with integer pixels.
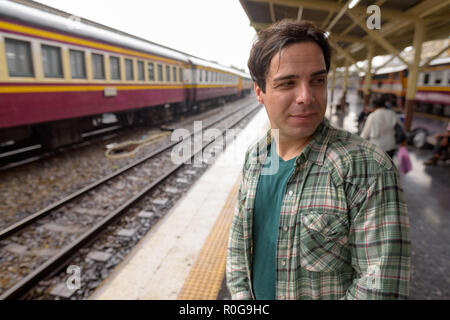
[{"x": 73, "y": 224}]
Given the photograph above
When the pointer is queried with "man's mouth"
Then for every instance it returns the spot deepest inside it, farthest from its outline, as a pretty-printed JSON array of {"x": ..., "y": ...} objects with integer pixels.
[{"x": 302, "y": 115}]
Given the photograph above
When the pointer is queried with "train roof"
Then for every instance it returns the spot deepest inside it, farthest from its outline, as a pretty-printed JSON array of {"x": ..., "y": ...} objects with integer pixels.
[
  {"x": 211, "y": 64},
  {"x": 38, "y": 14},
  {"x": 397, "y": 68},
  {"x": 39, "y": 17}
]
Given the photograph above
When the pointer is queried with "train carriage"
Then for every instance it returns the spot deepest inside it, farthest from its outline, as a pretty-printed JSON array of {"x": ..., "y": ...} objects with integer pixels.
[
  {"x": 59, "y": 78},
  {"x": 433, "y": 87}
]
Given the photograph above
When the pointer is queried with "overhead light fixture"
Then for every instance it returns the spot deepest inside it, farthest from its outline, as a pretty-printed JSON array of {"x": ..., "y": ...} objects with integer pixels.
[{"x": 353, "y": 3}]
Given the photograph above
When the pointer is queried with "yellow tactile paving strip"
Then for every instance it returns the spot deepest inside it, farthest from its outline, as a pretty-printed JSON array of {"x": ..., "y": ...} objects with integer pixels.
[{"x": 206, "y": 276}]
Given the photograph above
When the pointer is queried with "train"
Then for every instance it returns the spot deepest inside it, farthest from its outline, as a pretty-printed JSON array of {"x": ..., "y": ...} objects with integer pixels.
[
  {"x": 433, "y": 88},
  {"x": 62, "y": 77}
]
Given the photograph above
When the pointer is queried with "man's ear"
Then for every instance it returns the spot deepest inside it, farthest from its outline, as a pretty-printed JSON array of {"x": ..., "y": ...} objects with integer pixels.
[{"x": 259, "y": 93}]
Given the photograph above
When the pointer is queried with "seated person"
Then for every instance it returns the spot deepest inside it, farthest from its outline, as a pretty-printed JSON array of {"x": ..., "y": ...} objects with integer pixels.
[{"x": 440, "y": 151}]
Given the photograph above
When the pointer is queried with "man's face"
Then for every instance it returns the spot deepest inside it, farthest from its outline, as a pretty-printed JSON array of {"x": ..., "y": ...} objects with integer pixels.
[{"x": 296, "y": 90}]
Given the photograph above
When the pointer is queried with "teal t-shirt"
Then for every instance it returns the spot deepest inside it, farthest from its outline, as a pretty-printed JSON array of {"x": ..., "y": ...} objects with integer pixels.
[{"x": 266, "y": 219}]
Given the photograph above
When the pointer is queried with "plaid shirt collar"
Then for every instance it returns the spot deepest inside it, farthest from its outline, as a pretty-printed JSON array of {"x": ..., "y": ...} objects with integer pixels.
[{"x": 313, "y": 152}]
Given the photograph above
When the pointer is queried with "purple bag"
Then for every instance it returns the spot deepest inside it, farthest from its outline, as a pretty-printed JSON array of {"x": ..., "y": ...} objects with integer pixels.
[{"x": 404, "y": 162}]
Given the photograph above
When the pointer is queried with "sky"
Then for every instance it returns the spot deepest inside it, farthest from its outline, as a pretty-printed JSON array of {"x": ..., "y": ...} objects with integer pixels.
[{"x": 217, "y": 30}]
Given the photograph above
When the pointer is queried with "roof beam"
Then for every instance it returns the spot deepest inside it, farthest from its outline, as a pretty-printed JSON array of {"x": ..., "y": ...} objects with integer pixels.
[
  {"x": 427, "y": 7},
  {"x": 377, "y": 37},
  {"x": 338, "y": 37},
  {"x": 353, "y": 24},
  {"x": 272, "y": 12},
  {"x": 384, "y": 64},
  {"x": 344, "y": 52},
  {"x": 445, "y": 17},
  {"x": 349, "y": 28},
  {"x": 299, "y": 13},
  {"x": 434, "y": 57},
  {"x": 338, "y": 16},
  {"x": 421, "y": 10},
  {"x": 325, "y": 22},
  {"x": 333, "y": 6}
]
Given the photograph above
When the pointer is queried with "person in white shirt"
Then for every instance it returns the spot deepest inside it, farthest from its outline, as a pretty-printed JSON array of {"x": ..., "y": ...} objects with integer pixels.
[{"x": 379, "y": 127}]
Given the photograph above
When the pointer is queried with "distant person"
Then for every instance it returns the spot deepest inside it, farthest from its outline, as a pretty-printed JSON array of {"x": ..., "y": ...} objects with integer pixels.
[
  {"x": 440, "y": 151},
  {"x": 362, "y": 117},
  {"x": 379, "y": 127},
  {"x": 320, "y": 212}
]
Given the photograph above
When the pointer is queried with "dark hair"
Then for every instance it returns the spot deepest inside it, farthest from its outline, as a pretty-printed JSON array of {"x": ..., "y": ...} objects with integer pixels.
[
  {"x": 279, "y": 35},
  {"x": 379, "y": 103}
]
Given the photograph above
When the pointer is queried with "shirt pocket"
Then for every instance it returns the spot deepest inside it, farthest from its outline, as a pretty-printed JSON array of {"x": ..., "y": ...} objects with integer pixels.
[{"x": 323, "y": 241}]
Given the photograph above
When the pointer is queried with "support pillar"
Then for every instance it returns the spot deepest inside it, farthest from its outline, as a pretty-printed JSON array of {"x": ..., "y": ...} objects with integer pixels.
[
  {"x": 333, "y": 85},
  {"x": 368, "y": 79},
  {"x": 419, "y": 36},
  {"x": 344, "y": 87}
]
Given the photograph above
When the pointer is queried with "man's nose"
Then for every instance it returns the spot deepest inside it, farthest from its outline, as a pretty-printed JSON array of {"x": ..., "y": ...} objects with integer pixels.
[{"x": 304, "y": 94}]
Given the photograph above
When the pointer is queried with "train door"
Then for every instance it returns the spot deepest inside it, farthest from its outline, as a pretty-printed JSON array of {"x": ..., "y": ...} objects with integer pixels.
[
  {"x": 239, "y": 87},
  {"x": 190, "y": 75}
]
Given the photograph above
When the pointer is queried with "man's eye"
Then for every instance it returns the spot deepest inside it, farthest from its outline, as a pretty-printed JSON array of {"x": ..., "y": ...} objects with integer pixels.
[
  {"x": 318, "y": 81},
  {"x": 286, "y": 84}
]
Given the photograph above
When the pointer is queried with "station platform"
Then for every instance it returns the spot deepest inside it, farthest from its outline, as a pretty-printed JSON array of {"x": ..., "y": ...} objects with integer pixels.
[{"x": 183, "y": 257}]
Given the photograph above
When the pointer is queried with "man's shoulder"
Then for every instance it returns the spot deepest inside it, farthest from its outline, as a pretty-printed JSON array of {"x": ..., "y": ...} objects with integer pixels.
[{"x": 353, "y": 159}]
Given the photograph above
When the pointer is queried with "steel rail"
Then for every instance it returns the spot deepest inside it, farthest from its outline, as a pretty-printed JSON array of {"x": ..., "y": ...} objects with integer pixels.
[
  {"x": 58, "y": 261},
  {"x": 8, "y": 231}
]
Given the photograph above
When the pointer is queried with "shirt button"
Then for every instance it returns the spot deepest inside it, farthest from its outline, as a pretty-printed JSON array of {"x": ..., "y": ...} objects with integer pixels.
[
  {"x": 291, "y": 192},
  {"x": 283, "y": 263},
  {"x": 282, "y": 297},
  {"x": 285, "y": 228}
]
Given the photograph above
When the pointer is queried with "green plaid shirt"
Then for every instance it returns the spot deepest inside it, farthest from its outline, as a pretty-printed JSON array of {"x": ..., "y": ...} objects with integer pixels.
[{"x": 344, "y": 228}]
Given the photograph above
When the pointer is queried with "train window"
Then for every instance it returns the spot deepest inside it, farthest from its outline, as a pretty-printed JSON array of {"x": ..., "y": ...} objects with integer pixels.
[
  {"x": 426, "y": 78},
  {"x": 141, "y": 70},
  {"x": 98, "y": 66},
  {"x": 151, "y": 71},
  {"x": 18, "y": 54},
  {"x": 77, "y": 64},
  {"x": 160, "y": 73},
  {"x": 180, "y": 78},
  {"x": 201, "y": 74},
  {"x": 174, "y": 74},
  {"x": 168, "y": 73},
  {"x": 51, "y": 59},
  {"x": 129, "y": 74},
  {"x": 438, "y": 77},
  {"x": 114, "y": 66},
  {"x": 206, "y": 77}
]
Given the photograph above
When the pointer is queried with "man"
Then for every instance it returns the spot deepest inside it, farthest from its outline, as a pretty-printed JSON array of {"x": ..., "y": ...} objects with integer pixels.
[
  {"x": 331, "y": 222},
  {"x": 379, "y": 127}
]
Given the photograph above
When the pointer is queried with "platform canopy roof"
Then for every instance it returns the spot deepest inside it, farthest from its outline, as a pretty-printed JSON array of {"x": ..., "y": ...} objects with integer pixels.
[{"x": 349, "y": 34}]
